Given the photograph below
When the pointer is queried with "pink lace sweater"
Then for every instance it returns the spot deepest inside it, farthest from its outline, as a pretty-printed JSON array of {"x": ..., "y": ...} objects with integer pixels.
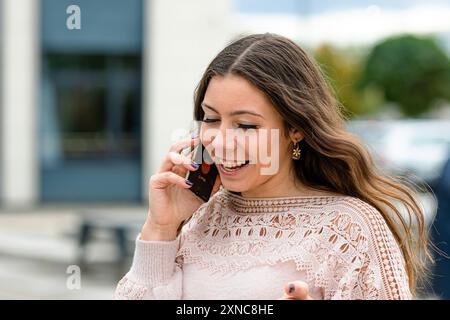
[{"x": 239, "y": 248}]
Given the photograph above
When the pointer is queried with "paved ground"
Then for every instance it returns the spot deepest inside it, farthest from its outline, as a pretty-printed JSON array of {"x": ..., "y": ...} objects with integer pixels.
[{"x": 36, "y": 249}]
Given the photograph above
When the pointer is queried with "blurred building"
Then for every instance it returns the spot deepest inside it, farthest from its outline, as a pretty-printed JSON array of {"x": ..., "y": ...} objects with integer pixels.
[{"x": 87, "y": 114}]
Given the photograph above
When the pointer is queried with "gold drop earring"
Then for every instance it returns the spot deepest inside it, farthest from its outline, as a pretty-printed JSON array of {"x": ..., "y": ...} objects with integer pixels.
[{"x": 296, "y": 152}]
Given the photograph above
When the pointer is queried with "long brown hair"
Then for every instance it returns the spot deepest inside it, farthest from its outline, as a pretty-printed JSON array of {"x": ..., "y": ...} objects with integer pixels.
[{"x": 332, "y": 158}]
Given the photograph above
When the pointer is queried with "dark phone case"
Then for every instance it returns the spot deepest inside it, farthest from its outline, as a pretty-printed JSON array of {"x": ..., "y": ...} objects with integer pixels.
[{"x": 205, "y": 176}]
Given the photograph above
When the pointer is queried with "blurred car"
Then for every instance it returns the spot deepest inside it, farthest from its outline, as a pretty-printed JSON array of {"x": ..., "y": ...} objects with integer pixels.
[
  {"x": 441, "y": 236},
  {"x": 414, "y": 148}
]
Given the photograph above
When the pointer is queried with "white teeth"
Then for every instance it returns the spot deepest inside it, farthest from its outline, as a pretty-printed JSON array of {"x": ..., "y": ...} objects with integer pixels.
[{"x": 231, "y": 165}]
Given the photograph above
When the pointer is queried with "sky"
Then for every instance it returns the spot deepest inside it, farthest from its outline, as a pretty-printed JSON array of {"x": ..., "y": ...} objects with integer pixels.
[
  {"x": 344, "y": 22},
  {"x": 315, "y": 6}
]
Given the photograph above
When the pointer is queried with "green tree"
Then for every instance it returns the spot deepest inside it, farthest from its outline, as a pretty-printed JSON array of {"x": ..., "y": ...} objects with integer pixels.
[
  {"x": 411, "y": 71},
  {"x": 342, "y": 69}
]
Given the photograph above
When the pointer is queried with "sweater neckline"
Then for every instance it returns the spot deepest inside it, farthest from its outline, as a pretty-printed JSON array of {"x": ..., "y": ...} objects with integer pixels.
[{"x": 245, "y": 205}]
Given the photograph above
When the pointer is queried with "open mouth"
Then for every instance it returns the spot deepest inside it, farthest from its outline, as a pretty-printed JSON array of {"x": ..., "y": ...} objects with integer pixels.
[{"x": 230, "y": 166}]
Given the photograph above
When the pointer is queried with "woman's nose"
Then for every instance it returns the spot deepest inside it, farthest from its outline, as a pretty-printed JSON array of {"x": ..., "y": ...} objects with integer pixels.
[{"x": 223, "y": 144}]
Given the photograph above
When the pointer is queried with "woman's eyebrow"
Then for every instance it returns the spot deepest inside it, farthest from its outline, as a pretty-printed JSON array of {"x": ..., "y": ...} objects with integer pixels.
[
  {"x": 204, "y": 105},
  {"x": 234, "y": 113}
]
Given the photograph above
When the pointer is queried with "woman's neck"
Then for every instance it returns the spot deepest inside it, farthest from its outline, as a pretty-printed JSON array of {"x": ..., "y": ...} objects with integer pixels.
[
  {"x": 280, "y": 185},
  {"x": 285, "y": 185}
]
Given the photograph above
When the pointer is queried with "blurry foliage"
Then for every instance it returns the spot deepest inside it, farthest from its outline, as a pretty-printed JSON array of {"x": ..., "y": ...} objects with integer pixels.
[
  {"x": 411, "y": 71},
  {"x": 342, "y": 70}
]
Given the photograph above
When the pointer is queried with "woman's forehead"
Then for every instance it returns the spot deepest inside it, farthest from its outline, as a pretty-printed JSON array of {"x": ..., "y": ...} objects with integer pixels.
[{"x": 231, "y": 93}]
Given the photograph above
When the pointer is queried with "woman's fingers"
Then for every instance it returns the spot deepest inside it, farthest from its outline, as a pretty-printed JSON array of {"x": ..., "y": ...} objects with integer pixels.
[
  {"x": 174, "y": 157},
  {"x": 184, "y": 161},
  {"x": 296, "y": 290},
  {"x": 183, "y": 144},
  {"x": 164, "y": 179}
]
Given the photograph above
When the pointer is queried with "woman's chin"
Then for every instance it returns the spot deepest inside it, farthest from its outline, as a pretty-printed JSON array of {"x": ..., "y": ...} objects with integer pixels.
[{"x": 234, "y": 187}]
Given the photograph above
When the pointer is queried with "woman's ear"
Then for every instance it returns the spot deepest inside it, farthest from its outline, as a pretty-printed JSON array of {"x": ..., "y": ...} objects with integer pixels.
[{"x": 295, "y": 135}]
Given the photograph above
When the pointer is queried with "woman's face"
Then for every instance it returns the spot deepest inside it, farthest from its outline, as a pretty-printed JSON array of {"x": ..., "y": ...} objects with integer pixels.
[{"x": 241, "y": 125}]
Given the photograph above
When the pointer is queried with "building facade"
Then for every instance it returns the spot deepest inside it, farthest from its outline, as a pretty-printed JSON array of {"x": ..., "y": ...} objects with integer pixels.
[{"x": 88, "y": 112}]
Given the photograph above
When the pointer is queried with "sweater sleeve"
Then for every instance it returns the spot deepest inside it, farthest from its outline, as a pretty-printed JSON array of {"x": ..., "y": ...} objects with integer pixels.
[
  {"x": 154, "y": 274},
  {"x": 376, "y": 268}
]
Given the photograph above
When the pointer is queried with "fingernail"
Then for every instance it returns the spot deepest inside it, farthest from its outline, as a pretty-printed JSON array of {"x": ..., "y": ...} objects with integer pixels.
[
  {"x": 194, "y": 135},
  {"x": 195, "y": 164},
  {"x": 189, "y": 182},
  {"x": 291, "y": 288}
]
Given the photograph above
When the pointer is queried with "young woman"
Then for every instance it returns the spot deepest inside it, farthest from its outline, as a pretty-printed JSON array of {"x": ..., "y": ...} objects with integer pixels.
[{"x": 326, "y": 225}]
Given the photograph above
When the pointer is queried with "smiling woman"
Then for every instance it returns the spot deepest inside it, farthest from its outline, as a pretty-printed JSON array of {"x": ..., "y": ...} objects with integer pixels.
[
  {"x": 325, "y": 225},
  {"x": 240, "y": 105}
]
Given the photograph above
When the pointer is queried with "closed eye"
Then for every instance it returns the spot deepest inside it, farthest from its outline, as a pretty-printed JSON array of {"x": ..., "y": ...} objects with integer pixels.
[
  {"x": 210, "y": 120},
  {"x": 241, "y": 126},
  {"x": 248, "y": 126}
]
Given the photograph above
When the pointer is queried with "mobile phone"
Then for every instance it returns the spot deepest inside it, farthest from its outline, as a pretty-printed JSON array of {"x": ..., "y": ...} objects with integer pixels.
[{"x": 204, "y": 177}]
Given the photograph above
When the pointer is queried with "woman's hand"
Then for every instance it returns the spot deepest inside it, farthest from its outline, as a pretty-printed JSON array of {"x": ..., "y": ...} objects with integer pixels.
[
  {"x": 296, "y": 290},
  {"x": 170, "y": 201}
]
